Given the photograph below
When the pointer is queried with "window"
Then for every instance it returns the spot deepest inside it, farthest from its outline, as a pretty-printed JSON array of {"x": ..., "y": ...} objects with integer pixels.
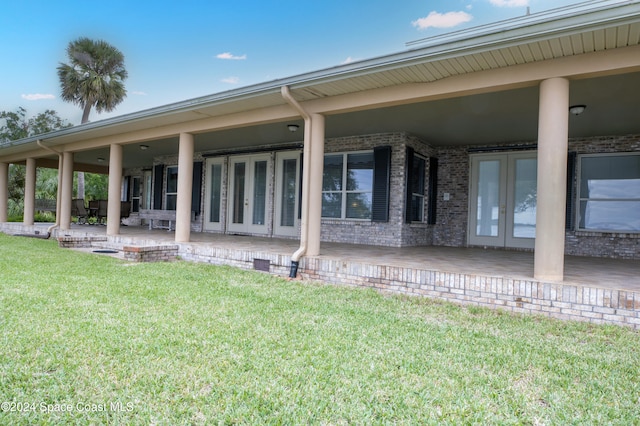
[
  {"x": 609, "y": 192},
  {"x": 136, "y": 195},
  {"x": 417, "y": 189},
  {"x": 171, "y": 196},
  {"x": 347, "y": 185}
]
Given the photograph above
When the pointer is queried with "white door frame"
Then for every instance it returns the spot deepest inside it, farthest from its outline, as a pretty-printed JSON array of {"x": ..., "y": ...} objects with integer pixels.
[
  {"x": 209, "y": 225},
  {"x": 502, "y": 210},
  {"x": 280, "y": 192},
  {"x": 244, "y": 218}
]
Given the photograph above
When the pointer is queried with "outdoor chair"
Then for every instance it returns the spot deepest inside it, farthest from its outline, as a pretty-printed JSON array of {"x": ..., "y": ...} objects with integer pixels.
[
  {"x": 93, "y": 208},
  {"x": 79, "y": 210},
  {"x": 101, "y": 213}
]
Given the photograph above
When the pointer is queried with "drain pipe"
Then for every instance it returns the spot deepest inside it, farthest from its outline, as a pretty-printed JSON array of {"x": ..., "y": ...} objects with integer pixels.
[
  {"x": 58, "y": 195},
  {"x": 306, "y": 161}
]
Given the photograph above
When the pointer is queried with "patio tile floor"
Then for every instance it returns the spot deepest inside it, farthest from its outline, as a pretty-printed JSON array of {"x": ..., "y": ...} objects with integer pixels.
[{"x": 615, "y": 274}]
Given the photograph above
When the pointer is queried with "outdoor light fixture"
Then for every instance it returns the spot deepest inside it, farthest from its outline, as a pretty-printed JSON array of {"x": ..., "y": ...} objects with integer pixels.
[
  {"x": 577, "y": 109},
  {"x": 293, "y": 127},
  {"x": 100, "y": 160},
  {"x": 144, "y": 147}
]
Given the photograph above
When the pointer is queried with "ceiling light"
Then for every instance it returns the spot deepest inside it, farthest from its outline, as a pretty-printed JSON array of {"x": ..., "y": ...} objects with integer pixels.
[
  {"x": 577, "y": 109},
  {"x": 293, "y": 127},
  {"x": 100, "y": 160},
  {"x": 144, "y": 147}
]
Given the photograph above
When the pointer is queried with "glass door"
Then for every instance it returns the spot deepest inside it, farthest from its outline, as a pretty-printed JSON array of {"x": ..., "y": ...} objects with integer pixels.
[
  {"x": 213, "y": 195},
  {"x": 488, "y": 200},
  {"x": 287, "y": 193},
  {"x": 503, "y": 200},
  {"x": 248, "y": 185}
]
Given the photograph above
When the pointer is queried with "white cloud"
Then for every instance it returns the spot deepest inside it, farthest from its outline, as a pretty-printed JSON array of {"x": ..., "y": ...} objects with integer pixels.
[
  {"x": 231, "y": 80},
  {"x": 509, "y": 3},
  {"x": 228, "y": 55},
  {"x": 348, "y": 60},
  {"x": 442, "y": 20},
  {"x": 137, "y": 92},
  {"x": 37, "y": 96}
]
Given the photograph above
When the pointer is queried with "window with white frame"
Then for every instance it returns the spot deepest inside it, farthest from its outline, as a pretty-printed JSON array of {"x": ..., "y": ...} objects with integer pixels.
[
  {"x": 417, "y": 189},
  {"x": 347, "y": 185},
  {"x": 171, "y": 195},
  {"x": 609, "y": 192}
]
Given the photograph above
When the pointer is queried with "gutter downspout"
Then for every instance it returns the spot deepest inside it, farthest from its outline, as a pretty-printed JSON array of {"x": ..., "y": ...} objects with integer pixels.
[
  {"x": 306, "y": 154},
  {"x": 59, "y": 195}
]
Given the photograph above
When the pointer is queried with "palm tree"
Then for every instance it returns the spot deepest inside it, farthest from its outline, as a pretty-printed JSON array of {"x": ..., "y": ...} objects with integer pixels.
[{"x": 94, "y": 77}]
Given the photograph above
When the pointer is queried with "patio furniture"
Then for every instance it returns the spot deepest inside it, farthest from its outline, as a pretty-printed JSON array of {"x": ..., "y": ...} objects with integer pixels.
[
  {"x": 156, "y": 215},
  {"x": 79, "y": 210},
  {"x": 93, "y": 208},
  {"x": 101, "y": 213},
  {"x": 45, "y": 205}
]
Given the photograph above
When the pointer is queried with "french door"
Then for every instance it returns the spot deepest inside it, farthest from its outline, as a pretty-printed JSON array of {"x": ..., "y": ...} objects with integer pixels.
[
  {"x": 287, "y": 193},
  {"x": 503, "y": 198},
  {"x": 213, "y": 194},
  {"x": 248, "y": 204}
]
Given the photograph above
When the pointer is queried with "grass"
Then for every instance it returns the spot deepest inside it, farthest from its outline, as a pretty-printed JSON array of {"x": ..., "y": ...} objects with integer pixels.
[{"x": 183, "y": 343}]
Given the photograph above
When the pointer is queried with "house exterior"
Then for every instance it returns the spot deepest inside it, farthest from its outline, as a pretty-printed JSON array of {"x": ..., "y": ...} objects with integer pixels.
[{"x": 520, "y": 135}]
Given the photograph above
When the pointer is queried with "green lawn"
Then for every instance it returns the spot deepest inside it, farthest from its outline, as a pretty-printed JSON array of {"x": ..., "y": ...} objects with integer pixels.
[{"x": 90, "y": 339}]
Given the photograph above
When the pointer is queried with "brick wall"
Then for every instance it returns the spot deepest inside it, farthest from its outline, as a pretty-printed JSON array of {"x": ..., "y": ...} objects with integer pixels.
[{"x": 451, "y": 224}]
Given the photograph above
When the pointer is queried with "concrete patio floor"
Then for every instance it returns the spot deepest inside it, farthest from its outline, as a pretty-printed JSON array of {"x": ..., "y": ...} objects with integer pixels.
[{"x": 614, "y": 274}]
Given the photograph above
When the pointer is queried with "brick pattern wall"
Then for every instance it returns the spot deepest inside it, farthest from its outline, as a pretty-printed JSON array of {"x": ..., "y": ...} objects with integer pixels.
[
  {"x": 451, "y": 215},
  {"x": 395, "y": 232},
  {"x": 603, "y": 244},
  {"x": 155, "y": 253},
  {"x": 562, "y": 301}
]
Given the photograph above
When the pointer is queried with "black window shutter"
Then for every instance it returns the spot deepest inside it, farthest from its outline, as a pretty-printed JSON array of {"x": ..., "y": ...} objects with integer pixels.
[
  {"x": 571, "y": 202},
  {"x": 432, "y": 191},
  {"x": 381, "y": 183},
  {"x": 196, "y": 189},
  {"x": 126, "y": 182},
  {"x": 158, "y": 172},
  {"x": 409, "y": 186}
]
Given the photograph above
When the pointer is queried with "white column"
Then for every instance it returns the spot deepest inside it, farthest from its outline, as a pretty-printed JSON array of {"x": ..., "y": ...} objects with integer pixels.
[
  {"x": 66, "y": 191},
  {"x": 316, "y": 166},
  {"x": 185, "y": 186},
  {"x": 115, "y": 188},
  {"x": 29, "y": 191},
  {"x": 4, "y": 191},
  {"x": 553, "y": 133}
]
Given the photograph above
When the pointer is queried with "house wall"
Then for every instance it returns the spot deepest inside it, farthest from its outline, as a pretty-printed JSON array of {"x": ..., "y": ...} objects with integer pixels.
[
  {"x": 395, "y": 232},
  {"x": 450, "y": 228},
  {"x": 603, "y": 244},
  {"x": 452, "y": 215}
]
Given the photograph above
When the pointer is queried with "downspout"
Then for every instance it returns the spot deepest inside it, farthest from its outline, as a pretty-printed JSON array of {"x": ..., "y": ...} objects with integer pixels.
[
  {"x": 297, "y": 255},
  {"x": 58, "y": 196}
]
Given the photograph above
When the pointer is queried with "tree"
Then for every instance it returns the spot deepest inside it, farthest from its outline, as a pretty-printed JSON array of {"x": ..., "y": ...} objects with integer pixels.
[
  {"x": 15, "y": 125},
  {"x": 94, "y": 77}
]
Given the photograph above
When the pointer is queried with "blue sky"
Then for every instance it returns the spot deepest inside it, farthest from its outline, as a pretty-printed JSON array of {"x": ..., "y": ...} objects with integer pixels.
[{"x": 176, "y": 50}]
